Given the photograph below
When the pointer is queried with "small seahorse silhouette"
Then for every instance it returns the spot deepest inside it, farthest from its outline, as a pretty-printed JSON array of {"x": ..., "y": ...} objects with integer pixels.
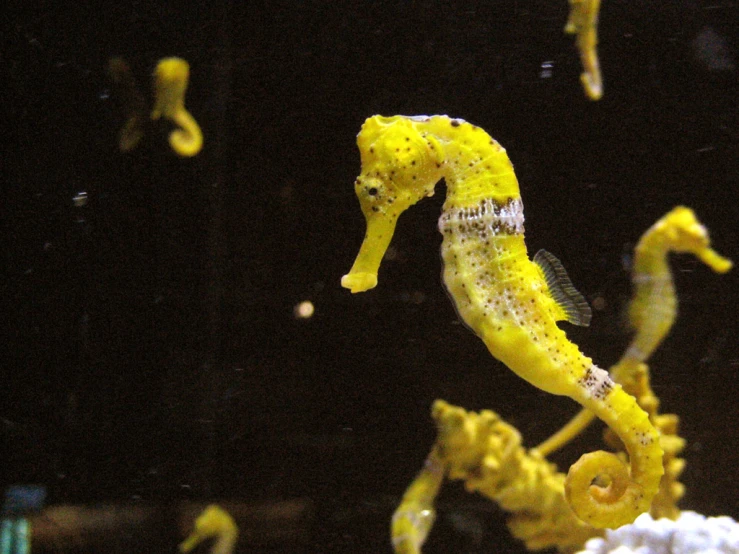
[
  {"x": 583, "y": 22},
  {"x": 511, "y": 302},
  {"x": 213, "y": 522},
  {"x": 171, "y": 77}
]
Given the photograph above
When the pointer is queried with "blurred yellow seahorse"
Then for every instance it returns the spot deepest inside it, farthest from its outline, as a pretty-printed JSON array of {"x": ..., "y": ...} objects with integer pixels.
[
  {"x": 171, "y": 77},
  {"x": 678, "y": 231},
  {"x": 170, "y": 83},
  {"x": 653, "y": 308},
  {"x": 583, "y": 22},
  {"x": 415, "y": 515},
  {"x": 133, "y": 102},
  {"x": 213, "y": 523},
  {"x": 511, "y": 302}
]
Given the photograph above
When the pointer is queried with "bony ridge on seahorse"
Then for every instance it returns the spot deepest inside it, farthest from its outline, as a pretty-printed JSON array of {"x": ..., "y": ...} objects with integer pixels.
[{"x": 511, "y": 302}]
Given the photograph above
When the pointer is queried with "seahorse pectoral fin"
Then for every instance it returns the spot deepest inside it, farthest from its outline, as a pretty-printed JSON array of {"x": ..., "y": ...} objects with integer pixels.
[
  {"x": 572, "y": 305},
  {"x": 363, "y": 274}
]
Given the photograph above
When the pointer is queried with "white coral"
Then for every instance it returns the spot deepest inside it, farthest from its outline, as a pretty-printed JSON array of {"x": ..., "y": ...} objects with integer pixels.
[{"x": 692, "y": 533}]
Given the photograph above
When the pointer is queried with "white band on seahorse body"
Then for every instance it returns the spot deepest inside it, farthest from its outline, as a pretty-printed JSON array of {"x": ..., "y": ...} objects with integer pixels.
[{"x": 488, "y": 216}]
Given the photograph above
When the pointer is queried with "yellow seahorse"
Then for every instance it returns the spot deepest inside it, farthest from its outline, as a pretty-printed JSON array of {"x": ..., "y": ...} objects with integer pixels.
[
  {"x": 583, "y": 22},
  {"x": 415, "y": 515},
  {"x": 678, "y": 231},
  {"x": 511, "y": 302},
  {"x": 213, "y": 523},
  {"x": 170, "y": 84},
  {"x": 171, "y": 77},
  {"x": 653, "y": 308}
]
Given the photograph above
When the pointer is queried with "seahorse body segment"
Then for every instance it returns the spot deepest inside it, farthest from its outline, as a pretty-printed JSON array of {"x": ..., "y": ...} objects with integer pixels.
[{"x": 508, "y": 300}]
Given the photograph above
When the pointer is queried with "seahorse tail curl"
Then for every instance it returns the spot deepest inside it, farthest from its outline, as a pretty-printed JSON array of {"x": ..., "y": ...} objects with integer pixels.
[{"x": 601, "y": 492}]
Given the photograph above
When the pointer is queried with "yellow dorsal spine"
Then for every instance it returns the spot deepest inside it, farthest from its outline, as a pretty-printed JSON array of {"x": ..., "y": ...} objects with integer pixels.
[{"x": 498, "y": 291}]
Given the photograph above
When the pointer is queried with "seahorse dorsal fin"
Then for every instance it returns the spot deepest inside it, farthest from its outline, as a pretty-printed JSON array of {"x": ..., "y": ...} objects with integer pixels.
[{"x": 574, "y": 307}]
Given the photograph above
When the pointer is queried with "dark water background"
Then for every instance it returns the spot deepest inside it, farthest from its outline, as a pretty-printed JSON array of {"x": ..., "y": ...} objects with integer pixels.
[{"x": 150, "y": 347}]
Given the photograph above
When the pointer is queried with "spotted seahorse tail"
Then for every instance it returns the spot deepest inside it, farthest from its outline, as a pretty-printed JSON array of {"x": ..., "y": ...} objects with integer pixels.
[{"x": 601, "y": 487}]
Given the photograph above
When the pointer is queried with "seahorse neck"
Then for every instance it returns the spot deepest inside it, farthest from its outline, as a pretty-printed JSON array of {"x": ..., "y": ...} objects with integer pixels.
[
  {"x": 475, "y": 166},
  {"x": 651, "y": 255},
  {"x": 465, "y": 190}
]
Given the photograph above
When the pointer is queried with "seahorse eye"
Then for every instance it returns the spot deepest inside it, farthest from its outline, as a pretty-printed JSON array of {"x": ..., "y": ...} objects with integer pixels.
[{"x": 372, "y": 191}]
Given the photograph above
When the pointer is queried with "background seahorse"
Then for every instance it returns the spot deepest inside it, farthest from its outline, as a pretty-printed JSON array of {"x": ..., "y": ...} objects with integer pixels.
[
  {"x": 511, "y": 302},
  {"x": 652, "y": 311},
  {"x": 171, "y": 77},
  {"x": 583, "y": 23}
]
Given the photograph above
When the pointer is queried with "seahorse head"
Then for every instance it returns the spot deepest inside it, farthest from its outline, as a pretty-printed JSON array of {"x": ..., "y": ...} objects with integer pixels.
[
  {"x": 686, "y": 234},
  {"x": 400, "y": 166}
]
